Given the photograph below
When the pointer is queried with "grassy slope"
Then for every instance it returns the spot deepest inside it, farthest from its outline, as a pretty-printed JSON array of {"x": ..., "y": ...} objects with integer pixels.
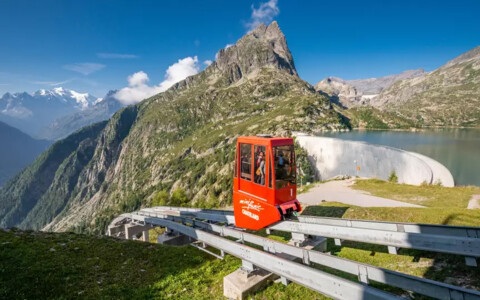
[
  {"x": 83, "y": 266},
  {"x": 428, "y": 195}
]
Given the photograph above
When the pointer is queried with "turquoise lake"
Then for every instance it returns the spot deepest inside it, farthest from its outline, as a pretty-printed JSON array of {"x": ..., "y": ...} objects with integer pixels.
[{"x": 457, "y": 149}]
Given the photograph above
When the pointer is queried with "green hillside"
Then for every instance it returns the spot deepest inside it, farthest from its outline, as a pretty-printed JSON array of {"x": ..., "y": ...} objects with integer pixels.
[{"x": 181, "y": 139}]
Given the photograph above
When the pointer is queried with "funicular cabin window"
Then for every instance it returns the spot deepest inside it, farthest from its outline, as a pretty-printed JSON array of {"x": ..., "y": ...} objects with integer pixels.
[
  {"x": 284, "y": 157},
  {"x": 260, "y": 164},
  {"x": 235, "y": 169},
  {"x": 270, "y": 167},
  {"x": 246, "y": 161}
]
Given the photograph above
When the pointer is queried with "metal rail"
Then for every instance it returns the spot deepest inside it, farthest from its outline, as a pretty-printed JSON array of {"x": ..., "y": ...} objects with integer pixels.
[
  {"x": 437, "y": 243},
  {"x": 317, "y": 280},
  {"x": 459, "y": 240},
  {"x": 465, "y": 231},
  {"x": 364, "y": 272},
  {"x": 222, "y": 216}
]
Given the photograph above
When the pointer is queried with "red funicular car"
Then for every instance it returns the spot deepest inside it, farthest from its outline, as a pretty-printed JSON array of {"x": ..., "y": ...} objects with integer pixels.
[{"x": 264, "y": 188}]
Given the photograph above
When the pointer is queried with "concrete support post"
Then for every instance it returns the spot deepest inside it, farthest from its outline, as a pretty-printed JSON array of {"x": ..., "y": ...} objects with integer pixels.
[
  {"x": 114, "y": 230},
  {"x": 299, "y": 239},
  {"x": 471, "y": 261},
  {"x": 393, "y": 250},
  {"x": 145, "y": 236},
  {"x": 338, "y": 242},
  {"x": 284, "y": 281},
  {"x": 128, "y": 232},
  {"x": 268, "y": 231},
  {"x": 131, "y": 230},
  {"x": 247, "y": 267},
  {"x": 363, "y": 274}
]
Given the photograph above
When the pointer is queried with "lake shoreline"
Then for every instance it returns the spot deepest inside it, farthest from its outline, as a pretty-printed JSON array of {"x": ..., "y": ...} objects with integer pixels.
[{"x": 454, "y": 147}]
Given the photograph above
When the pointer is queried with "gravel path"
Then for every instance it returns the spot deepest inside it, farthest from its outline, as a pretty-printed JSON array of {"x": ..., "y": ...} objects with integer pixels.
[
  {"x": 474, "y": 202},
  {"x": 340, "y": 191}
]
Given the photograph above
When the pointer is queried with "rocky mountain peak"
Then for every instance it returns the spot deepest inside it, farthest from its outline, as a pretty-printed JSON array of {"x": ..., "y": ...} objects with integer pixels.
[{"x": 264, "y": 46}]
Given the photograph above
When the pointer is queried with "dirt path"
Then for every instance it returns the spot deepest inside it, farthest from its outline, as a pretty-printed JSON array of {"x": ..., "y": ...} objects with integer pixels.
[
  {"x": 340, "y": 191},
  {"x": 474, "y": 202}
]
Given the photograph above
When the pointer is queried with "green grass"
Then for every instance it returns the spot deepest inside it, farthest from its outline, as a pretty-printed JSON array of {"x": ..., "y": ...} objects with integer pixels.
[
  {"x": 99, "y": 267},
  {"x": 425, "y": 195},
  {"x": 435, "y": 266},
  {"x": 436, "y": 215}
]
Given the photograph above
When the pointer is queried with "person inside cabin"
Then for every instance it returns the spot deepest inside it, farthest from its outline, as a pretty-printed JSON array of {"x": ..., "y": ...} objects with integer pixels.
[{"x": 261, "y": 168}]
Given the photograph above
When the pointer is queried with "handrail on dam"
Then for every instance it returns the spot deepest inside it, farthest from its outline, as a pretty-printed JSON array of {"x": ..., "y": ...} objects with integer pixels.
[{"x": 212, "y": 234}]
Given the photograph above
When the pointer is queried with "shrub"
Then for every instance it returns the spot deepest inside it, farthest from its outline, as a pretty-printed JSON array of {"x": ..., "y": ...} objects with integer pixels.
[
  {"x": 161, "y": 198},
  {"x": 179, "y": 198},
  {"x": 393, "y": 177}
]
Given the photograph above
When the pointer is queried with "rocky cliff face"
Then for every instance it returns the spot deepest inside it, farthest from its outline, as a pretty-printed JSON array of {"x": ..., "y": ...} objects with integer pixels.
[
  {"x": 447, "y": 96},
  {"x": 358, "y": 92},
  {"x": 182, "y": 138}
]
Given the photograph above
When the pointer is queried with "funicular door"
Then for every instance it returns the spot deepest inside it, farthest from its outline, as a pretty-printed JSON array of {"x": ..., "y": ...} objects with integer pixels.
[{"x": 253, "y": 171}]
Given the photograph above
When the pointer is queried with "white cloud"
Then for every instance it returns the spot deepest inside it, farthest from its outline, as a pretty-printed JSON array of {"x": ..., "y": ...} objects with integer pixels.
[
  {"x": 52, "y": 83},
  {"x": 116, "y": 55},
  {"x": 84, "y": 68},
  {"x": 207, "y": 62},
  {"x": 138, "y": 88},
  {"x": 263, "y": 14}
]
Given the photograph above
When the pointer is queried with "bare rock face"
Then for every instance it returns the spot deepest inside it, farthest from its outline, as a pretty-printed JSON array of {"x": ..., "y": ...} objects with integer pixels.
[
  {"x": 358, "y": 92},
  {"x": 340, "y": 91},
  {"x": 264, "y": 46}
]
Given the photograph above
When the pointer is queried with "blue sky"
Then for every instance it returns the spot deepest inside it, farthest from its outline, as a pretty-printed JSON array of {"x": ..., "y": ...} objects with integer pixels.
[{"x": 93, "y": 46}]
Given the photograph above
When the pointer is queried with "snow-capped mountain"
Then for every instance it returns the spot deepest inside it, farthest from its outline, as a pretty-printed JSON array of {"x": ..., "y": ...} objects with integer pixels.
[
  {"x": 32, "y": 112},
  {"x": 101, "y": 109}
]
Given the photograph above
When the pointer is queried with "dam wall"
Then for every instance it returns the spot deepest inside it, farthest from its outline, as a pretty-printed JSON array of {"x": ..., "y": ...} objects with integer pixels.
[{"x": 333, "y": 157}]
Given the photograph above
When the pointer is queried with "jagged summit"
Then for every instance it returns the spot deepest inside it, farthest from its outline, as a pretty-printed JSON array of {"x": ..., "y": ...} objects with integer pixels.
[{"x": 264, "y": 46}]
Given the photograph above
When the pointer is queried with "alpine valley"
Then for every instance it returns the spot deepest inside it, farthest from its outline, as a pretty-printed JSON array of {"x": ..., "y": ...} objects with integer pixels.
[
  {"x": 180, "y": 140},
  {"x": 177, "y": 147}
]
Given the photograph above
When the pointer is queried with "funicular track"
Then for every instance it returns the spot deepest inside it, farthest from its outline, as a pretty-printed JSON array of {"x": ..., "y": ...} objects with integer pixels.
[{"x": 214, "y": 227}]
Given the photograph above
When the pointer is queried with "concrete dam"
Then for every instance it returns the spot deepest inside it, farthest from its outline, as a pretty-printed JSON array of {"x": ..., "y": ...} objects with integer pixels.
[{"x": 332, "y": 157}]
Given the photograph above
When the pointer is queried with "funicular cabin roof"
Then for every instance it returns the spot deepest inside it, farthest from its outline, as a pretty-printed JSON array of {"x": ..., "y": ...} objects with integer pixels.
[{"x": 260, "y": 140}]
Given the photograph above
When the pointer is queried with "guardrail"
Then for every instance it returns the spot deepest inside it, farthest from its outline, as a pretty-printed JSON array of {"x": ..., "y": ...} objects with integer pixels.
[
  {"x": 364, "y": 272},
  {"x": 459, "y": 240},
  {"x": 465, "y": 246},
  {"x": 465, "y": 231},
  {"x": 317, "y": 280}
]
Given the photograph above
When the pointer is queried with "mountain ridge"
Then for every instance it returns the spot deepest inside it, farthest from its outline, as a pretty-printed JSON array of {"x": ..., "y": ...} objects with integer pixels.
[
  {"x": 30, "y": 112},
  {"x": 181, "y": 139},
  {"x": 357, "y": 92},
  {"x": 447, "y": 96},
  {"x": 18, "y": 150}
]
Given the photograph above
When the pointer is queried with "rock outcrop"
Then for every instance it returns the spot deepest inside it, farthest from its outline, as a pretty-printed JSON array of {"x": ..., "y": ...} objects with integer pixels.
[{"x": 358, "y": 92}]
